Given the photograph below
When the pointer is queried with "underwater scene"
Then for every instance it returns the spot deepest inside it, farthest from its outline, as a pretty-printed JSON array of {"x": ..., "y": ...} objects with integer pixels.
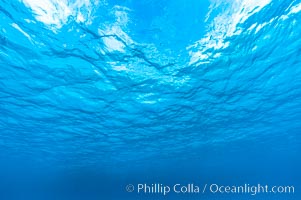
[{"x": 150, "y": 99}]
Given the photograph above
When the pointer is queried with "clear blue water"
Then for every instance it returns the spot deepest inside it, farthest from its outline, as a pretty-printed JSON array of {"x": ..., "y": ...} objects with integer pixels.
[{"x": 96, "y": 95}]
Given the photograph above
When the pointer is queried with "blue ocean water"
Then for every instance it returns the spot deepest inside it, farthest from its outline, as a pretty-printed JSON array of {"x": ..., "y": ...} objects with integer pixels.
[{"x": 96, "y": 96}]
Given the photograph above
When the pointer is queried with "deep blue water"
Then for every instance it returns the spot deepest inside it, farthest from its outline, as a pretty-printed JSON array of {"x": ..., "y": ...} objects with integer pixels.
[{"x": 96, "y": 95}]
